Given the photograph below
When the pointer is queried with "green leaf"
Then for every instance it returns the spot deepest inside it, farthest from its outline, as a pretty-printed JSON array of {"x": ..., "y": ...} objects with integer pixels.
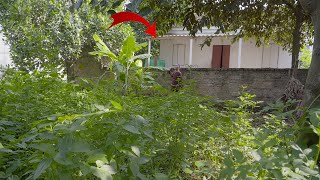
[
  {"x": 97, "y": 39},
  {"x": 131, "y": 129},
  {"x": 141, "y": 119},
  {"x": 256, "y": 155},
  {"x": 62, "y": 158},
  {"x": 238, "y": 155},
  {"x": 80, "y": 146},
  {"x": 308, "y": 170},
  {"x": 315, "y": 117},
  {"x": 188, "y": 171},
  {"x": 42, "y": 166},
  {"x": 200, "y": 164},
  {"x": 101, "y": 107},
  {"x": 148, "y": 133},
  {"x": 116, "y": 105},
  {"x": 97, "y": 156},
  {"x": 47, "y": 148},
  {"x": 138, "y": 63},
  {"x": 127, "y": 50},
  {"x": 136, "y": 150},
  {"x": 116, "y": 4},
  {"x": 4, "y": 150},
  {"x": 134, "y": 167},
  {"x": 103, "y": 49},
  {"x": 161, "y": 176},
  {"x": 104, "y": 172}
]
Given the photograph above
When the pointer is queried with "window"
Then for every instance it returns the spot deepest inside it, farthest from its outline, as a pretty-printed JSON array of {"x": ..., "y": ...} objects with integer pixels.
[{"x": 220, "y": 56}]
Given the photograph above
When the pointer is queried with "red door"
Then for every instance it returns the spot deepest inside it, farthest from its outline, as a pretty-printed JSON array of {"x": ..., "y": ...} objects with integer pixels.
[{"x": 220, "y": 56}]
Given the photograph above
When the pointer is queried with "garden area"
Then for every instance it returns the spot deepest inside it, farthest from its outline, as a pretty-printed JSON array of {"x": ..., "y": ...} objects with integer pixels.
[{"x": 124, "y": 124}]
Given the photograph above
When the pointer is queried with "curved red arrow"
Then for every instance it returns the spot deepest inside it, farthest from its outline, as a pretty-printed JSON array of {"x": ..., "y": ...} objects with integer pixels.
[{"x": 129, "y": 16}]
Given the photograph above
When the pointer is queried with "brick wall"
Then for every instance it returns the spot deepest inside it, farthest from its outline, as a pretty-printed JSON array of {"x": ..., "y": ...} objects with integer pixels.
[{"x": 267, "y": 84}]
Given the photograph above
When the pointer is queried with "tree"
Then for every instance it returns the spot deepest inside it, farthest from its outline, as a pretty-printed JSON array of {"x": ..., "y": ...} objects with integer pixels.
[
  {"x": 42, "y": 32},
  {"x": 279, "y": 21},
  {"x": 312, "y": 87}
]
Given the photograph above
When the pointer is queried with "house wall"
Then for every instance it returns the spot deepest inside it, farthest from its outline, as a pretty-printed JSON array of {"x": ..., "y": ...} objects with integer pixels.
[
  {"x": 272, "y": 56},
  {"x": 4, "y": 52}
]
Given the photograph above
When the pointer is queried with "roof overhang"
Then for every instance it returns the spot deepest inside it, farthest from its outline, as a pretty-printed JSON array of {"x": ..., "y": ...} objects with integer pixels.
[{"x": 180, "y": 32}]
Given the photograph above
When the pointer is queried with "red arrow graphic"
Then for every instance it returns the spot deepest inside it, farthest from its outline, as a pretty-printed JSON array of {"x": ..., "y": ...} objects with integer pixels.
[{"x": 129, "y": 16}]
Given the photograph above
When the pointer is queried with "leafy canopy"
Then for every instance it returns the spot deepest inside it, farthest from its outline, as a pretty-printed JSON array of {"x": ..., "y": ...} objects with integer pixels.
[{"x": 42, "y": 32}]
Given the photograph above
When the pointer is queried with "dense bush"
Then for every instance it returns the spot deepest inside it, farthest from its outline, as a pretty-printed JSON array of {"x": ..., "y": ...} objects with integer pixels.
[{"x": 51, "y": 129}]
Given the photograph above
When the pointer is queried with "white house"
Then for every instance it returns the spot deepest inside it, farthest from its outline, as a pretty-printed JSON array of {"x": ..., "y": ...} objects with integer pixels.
[
  {"x": 4, "y": 51},
  {"x": 178, "y": 47}
]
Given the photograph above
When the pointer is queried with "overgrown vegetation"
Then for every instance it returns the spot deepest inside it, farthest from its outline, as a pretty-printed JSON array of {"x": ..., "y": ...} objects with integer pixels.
[
  {"x": 306, "y": 56},
  {"x": 51, "y": 129},
  {"x": 131, "y": 128}
]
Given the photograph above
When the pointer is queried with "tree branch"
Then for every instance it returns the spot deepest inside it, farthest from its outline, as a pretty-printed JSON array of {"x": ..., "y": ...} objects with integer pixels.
[{"x": 286, "y": 2}]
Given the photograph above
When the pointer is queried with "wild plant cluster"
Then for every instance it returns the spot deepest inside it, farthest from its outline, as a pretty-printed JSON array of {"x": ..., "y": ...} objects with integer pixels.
[{"x": 52, "y": 129}]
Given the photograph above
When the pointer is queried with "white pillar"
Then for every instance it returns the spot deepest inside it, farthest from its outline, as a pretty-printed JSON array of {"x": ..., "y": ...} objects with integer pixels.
[
  {"x": 239, "y": 53},
  {"x": 190, "y": 51},
  {"x": 149, "y": 51}
]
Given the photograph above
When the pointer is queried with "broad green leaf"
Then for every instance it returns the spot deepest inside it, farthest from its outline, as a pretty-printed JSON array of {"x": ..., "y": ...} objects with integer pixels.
[
  {"x": 62, "y": 158},
  {"x": 161, "y": 176},
  {"x": 307, "y": 151},
  {"x": 308, "y": 170},
  {"x": 188, "y": 171},
  {"x": 138, "y": 47},
  {"x": 101, "y": 107},
  {"x": 85, "y": 169},
  {"x": 104, "y": 172},
  {"x": 141, "y": 119},
  {"x": 42, "y": 166},
  {"x": 103, "y": 49},
  {"x": 80, "y": 146},
  {"x": 200, "y": 164},
  {"x": 131, "y": 129},
  {"x": 148, "y": 133},
  {"x": 134, "y": 167},
  {"x": 97, "y": 39},
  {"x": 97, "y": 156},
  {"x": 4, "y": 150},
  {"x": 316, "y": 129},
  {"x": 228, "y": 161},
  {"x": 138, "y": 63},
  {"x": 298, "y": 162},
  {"x": 256, "y": 155},
  {"x": 270, "y": 143},
  {"x": 315, "y": 117},
  {"x": 277, "y": 174},
  {"x": 100, "y": 163},
  {"x": 296, "y": 147},
  {"x": 127, "y": 49},
  {"x": 136, "y": 150},
  {"x": 116, "y": 105},
  {"x": 47, "y": 148},
  {"x": 238, "y": 155}
]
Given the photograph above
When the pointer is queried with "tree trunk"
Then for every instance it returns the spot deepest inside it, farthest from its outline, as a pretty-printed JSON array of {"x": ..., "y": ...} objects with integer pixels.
[
  {"x": 312, "y": 87},
  {"x": 296, "y": 44}
]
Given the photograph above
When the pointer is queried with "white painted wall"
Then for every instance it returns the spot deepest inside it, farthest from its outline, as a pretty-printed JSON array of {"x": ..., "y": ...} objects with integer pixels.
[
  {"x": 4, "y": 52},
  {"x": 271, "y": 56}
]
